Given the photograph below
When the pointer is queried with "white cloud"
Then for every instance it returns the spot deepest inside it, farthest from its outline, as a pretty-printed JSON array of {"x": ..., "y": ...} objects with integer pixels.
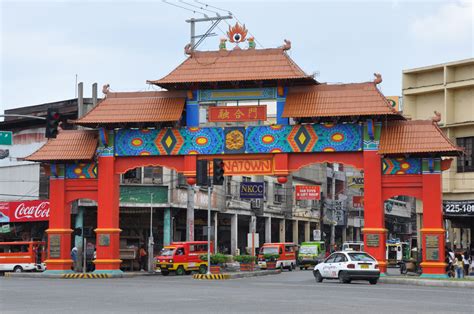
[{"x": 452, "y": 22}]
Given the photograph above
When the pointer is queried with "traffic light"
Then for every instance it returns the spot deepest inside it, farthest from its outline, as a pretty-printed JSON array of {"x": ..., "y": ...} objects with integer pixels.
[
  {"x": 202, "y": 177},
  {"x": 218, "y": 172},
  {"x": 52, "y": 122}
]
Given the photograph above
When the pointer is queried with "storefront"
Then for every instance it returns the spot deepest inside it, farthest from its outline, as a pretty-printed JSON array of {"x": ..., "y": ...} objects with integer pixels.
[
  {"x": 24, "y": 220},
  {"x": 459, "y": 215}
]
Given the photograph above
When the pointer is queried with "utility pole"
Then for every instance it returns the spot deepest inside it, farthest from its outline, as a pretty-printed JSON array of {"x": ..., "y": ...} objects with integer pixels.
[
  {"x": 215, "y": 20},
  {"x": 333, "y": 210},
  {"x": 150, "y": 239}
]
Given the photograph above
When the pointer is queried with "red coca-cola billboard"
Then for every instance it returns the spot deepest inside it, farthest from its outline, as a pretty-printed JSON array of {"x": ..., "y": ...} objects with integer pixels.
[{"x": 24, "y": 211}]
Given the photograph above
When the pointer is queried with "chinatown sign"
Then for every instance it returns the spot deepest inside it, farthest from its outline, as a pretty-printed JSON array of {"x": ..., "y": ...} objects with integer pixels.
[
  {"x": 308, "y": 192},
  {"x": 235, "y": 167},
  {"x": 25, "y": 211},
  {"x": 237, "y": 113}
]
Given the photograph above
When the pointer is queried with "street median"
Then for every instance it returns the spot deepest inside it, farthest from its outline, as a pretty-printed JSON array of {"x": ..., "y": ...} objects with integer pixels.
[
  {"x": 454, "y": 283},
  {"x": 237, "y": 275}
]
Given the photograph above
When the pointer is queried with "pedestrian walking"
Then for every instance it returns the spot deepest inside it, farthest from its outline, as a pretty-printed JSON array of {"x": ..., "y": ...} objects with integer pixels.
[
  {"x": 142, "y": 254},
  {"x": 74, "y": 258},
  {"x": 450, "y": 260},
  {"x": 466, "y": 259},
  {"x": 459, "y": 266}
]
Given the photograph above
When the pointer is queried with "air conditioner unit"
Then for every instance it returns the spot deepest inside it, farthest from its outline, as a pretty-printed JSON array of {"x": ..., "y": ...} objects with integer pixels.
[{"x": 256, "y": 204}]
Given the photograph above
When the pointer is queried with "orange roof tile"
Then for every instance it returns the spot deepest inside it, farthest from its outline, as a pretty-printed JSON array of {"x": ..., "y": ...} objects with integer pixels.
[
  {"x": 136, "y": 107},
  {"x": 415, "y": 137},
  {"x": 234, "y": 65},
  {"x": 68, "y": 145},
  {"x": 357, "y": 99}
]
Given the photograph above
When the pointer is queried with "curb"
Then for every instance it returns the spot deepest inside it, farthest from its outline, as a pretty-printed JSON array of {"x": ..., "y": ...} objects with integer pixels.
[
  {"x": 428, "y": 282},
  {"x": 236, "y": 275},
  {"x": 211, "y": 276}
]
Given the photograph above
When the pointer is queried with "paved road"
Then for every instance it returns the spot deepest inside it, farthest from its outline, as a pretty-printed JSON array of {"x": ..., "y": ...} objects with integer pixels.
[{"x": 290, "y": 292}]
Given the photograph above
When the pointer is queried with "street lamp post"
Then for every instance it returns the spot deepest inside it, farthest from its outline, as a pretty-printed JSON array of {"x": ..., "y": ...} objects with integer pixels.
[
  {"x": 150, "y": 239},
  {"x": 209, "y": 191}
]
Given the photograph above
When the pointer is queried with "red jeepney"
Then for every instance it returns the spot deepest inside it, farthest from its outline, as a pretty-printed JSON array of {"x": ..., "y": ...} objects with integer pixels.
[
  {"x": 182, "y": 258},
  {"x": 286, "y": 252},
  {"x": 22, "y": 256}
]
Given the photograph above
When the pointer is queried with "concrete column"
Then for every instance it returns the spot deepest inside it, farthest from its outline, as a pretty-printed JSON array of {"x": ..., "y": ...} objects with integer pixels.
[
  {"x": 167, "y": 227},
  {"x": 233, "y": 233},
  {"x": 190, "y": 214},
  {"x": 294, "y": 225},
  {"x": 216, "y": 219},
  {"x": 252, "y": 228},
  {"x": 282, "y": 230},
  {"x": 344, "y": 234},
  {"x": 357, "y": 234},
  {"x": 268, "y": 229},
  {"x": 307, "y": 231}
]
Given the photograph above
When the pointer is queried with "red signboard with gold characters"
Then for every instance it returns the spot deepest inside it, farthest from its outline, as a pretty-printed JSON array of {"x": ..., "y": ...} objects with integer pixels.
[{"x": 237, "y": 113}]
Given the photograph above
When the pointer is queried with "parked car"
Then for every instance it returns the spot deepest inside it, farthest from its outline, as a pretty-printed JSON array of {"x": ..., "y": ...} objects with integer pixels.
[{"x": 347, "y": 266}]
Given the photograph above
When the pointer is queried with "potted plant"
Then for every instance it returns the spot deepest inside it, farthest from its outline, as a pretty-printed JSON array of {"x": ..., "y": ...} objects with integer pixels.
[
  {"x": 247, "y": 262},
  {"x": 271, "y": 259},
  {"x": 216, "y": 262}
]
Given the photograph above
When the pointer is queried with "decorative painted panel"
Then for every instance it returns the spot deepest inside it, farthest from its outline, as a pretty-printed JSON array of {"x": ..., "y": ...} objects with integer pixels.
[
  {"x": 81, "y": 171},
  {"x": 253, "y": 140},
  {"x": 237, "y": 94},
  {"x": 401, "y": 166},
  {"x": 372, "y": 131},
  {"x": 304, "y": 138},
  {"x": 431, "y": 165}
]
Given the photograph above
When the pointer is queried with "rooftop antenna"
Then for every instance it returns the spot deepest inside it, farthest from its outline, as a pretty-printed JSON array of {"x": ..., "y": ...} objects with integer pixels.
[{"x": 192, "y": 21}]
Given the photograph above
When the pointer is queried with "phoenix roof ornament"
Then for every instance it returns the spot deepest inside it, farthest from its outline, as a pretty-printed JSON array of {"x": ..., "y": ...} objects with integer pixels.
[{"x": 237, "y": 33}]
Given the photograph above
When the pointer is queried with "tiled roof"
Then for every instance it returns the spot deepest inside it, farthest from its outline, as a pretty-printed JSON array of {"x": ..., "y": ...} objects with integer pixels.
[
  {"x": 415, "y": 137},
  {"x": 68, "y": 145},
  {"x": 234, "y": 65},
  {"x": 136, "y": 107},
  {"x": 358, "y": 99}
]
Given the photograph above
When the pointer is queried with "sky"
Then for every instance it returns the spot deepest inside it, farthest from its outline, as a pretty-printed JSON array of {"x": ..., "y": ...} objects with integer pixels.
[{"x": 46, "y": 44}]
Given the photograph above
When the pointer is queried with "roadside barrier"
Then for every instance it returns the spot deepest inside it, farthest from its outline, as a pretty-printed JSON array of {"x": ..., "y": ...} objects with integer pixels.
[
  {"x": 85, "y": 276},
  {"x": 211, "y": 276}
]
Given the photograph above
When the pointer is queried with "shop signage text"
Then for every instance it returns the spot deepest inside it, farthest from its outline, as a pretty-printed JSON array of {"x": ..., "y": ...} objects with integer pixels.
[
  {"x": 252, "y": 190},
  {"x": 308, "y": 192},
  {"x": 459, "y": 208},
  {"x": 25, "y": 211},
  {"x": 357, "y": 201},
  {"x": 355, "y": 182}
]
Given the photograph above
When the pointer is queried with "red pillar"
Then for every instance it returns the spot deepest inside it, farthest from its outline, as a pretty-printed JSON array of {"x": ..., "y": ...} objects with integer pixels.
[
  {"x": 374, "y": 219},
  {"x": 433, "y": 233},
  {"x": 108, "y": 232},
  {"x": 59, "y": 231}
]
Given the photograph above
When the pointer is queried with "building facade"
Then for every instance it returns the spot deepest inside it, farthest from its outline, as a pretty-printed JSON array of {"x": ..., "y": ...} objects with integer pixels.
[{"x": 448, "y": 89}]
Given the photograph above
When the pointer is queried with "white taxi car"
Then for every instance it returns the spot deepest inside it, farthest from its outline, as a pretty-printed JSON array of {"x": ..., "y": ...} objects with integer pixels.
[{"x": 347, "y": 266}]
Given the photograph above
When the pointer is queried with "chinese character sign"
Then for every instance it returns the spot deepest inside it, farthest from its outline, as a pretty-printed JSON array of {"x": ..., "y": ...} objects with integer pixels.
[
  {"x": 357, "y": 201},
  {"x": 308, "y": 192},
  {"x": 237, "y": 113}
]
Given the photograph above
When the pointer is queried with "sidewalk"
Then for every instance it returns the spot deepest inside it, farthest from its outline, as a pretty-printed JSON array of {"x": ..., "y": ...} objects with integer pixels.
[{"x": 467, "y": 282}]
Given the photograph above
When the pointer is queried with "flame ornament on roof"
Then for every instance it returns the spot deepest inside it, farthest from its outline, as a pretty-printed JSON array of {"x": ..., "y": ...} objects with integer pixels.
[{"x": 237, "y": 33}]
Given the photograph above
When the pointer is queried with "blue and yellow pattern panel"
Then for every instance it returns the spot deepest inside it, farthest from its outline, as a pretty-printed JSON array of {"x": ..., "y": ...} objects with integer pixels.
[
  {"x": 304, "y": 138},
  {"x": 239, "y": 140},
  {"x": 401, "y": 165},
  {"x": 81, "y": 171}
]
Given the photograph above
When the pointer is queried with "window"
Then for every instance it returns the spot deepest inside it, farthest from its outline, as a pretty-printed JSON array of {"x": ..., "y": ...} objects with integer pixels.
[
  {"x": 153, "y": 175},
  {"x": 465, "y": 162},
  {"x": 182, "y": 180},
  {"x": 279, "y": 193},
  {"x": 133, "y": 176},
  {"x": 246, "y": 179},
  {"x": 330, "y": 259},
  {"x": 340, "y": 258}
]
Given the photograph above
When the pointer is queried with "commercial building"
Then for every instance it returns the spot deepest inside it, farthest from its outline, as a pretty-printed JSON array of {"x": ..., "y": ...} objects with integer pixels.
[{"x": 448, "y": 89}]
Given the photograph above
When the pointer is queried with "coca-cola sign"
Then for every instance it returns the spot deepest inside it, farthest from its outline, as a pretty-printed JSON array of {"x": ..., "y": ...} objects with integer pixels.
[{"x": 24, "y": 211}]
